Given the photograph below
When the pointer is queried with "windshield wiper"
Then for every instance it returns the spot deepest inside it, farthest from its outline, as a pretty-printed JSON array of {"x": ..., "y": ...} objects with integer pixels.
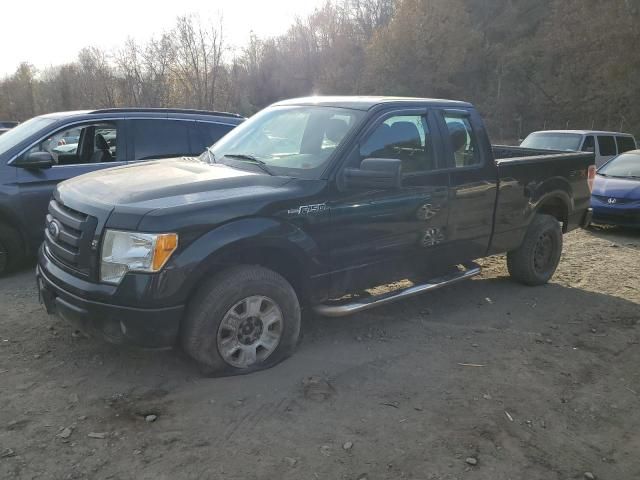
[
  {"x": 211, "y": 155},
  {"x": 247, "y": 157}
]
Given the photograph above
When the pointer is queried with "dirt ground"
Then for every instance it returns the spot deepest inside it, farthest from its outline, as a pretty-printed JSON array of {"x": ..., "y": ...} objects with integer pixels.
[{"x": 533, "y": 383}]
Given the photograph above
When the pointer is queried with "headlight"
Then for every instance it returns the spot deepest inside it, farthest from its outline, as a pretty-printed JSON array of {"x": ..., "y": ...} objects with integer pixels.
[{"x": 124, "y": 252}]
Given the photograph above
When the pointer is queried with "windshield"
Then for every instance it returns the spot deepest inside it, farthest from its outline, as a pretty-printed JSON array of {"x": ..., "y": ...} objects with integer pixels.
[
  {"x": 553, "y": 141},
  {"x": 22, "y": 132},
  {"x": 626, "y": 165},
  {"x": 295, "y": 141}
]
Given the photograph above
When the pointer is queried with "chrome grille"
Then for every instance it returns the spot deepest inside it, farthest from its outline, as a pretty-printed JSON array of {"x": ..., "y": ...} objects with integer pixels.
[{"x": 68, "y": 236}]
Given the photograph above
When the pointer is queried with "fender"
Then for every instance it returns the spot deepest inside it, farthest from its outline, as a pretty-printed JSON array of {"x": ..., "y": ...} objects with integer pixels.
[
  {"x": 551, "y": 190},
  {"x": 228, "y": 243}
]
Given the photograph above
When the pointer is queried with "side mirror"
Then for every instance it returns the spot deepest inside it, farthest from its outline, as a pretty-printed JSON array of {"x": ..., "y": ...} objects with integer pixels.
[
  {"x": 375, "y": 173},
  {"x": 36, "y": 160}
]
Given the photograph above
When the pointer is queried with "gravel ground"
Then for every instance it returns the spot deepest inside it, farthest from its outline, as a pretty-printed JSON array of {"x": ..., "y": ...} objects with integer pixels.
[{"x": 483, "y": 380}]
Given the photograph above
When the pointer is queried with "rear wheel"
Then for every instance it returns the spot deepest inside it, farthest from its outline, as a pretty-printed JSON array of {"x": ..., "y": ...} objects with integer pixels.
[
  {"x": 11, "y": 251},
  {"x": 536, "y": 260},
  {"x": 245, "y": 319}
]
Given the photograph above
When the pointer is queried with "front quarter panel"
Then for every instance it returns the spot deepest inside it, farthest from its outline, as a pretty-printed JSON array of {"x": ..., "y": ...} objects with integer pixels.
[{"x": 228, "y": 243}]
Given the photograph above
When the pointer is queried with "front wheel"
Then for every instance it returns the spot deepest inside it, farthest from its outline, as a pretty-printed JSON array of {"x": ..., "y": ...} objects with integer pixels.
[
  {"x": 247, "y": 318},
  {"x": 535, "y": 261}
]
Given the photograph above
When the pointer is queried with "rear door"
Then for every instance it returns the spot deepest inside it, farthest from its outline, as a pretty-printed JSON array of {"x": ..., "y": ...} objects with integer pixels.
[
  {"x": 379, "y": 235},
  {"x": 606, "y": 149},
  {"x": 76, "y": 149},
  {"x": 472, "y": 184}
]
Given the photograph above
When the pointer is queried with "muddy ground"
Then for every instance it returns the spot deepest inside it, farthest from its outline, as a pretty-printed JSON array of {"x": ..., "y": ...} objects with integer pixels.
[{"x": 554, "y": 392}]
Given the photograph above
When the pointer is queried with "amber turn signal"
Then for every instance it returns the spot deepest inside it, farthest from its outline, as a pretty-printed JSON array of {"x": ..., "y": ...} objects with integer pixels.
[{"x": 166, "y": 244}]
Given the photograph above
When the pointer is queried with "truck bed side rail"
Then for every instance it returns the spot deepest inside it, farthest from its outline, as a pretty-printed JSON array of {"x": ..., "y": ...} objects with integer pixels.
[{"x": 508, "y": 154}]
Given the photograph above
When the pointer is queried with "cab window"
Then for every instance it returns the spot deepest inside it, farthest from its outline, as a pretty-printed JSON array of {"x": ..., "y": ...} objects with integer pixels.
[
  {"x": 462, "y": 141},
  {"x": 403, "y": 137}
]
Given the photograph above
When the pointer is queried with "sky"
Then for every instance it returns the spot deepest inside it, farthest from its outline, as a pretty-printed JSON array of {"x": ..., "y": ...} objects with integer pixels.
[{"x": 47, "y": 33}]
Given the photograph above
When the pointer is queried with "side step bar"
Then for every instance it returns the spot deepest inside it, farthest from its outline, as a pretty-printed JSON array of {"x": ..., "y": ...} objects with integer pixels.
[{"x": 342, "y": 309}]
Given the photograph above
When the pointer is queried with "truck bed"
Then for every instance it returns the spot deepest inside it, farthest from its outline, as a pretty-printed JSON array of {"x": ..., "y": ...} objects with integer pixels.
[{"x": 528, "y": 177}]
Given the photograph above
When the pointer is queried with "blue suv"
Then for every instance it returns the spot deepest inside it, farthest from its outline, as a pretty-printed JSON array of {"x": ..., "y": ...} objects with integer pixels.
[{"x": 43, "y": 151}]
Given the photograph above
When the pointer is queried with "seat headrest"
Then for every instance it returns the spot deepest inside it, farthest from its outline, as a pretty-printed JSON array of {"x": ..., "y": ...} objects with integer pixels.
[
  {"x": 405, "y": 134},
  {"x": 458, "y": 135},
  {"x": 336, "y": 129},
  {"x": 101, "y": 143}
]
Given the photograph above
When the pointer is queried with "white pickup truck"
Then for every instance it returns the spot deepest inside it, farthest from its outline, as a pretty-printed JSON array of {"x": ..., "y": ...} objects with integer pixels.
[{"x": 605, "y": 145}]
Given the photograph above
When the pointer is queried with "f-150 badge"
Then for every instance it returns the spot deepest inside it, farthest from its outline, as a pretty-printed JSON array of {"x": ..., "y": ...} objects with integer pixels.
[{"x": 306, "y": 210}]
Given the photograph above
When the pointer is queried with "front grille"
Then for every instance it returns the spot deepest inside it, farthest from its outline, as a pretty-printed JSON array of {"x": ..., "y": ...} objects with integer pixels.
[
  {"x": 618, "y": 201},
  {"x": 68, "y": 236}
]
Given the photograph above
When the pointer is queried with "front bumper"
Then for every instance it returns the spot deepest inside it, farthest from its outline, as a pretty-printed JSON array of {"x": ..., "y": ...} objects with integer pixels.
[
  {"x": 142, "y": 327},
  {"x": 623, "y": 217}
]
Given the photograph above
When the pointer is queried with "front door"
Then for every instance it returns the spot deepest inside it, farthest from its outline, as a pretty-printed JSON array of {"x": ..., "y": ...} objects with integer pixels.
[
  {"x": 76, "y": 150},
  {"x": 381, "y": 235}
]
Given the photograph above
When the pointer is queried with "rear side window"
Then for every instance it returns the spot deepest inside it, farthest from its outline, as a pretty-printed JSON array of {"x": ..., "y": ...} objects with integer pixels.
[
  {"x": 625, "y": 144},
  {"x": 607, "y": 145},
  {"x": 212, "y": 132},
  {"x": 462, "y": 140},
  {"x": 160, "y": 139},
  {"x": 589, "y": 144}
]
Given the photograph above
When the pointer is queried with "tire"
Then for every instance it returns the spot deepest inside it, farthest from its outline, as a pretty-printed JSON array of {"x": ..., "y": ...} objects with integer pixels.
[
  {"x": 11, "y": 250},
  {"x": 237, "y": 312},
  {"x": 535, "y": 261}
]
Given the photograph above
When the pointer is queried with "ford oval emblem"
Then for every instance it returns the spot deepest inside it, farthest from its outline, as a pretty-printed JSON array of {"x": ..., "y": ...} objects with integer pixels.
[{"x": 54, "y": 229}]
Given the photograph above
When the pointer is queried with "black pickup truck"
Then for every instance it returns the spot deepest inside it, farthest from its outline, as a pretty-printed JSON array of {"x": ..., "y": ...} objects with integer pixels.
[{"x": 305, "y": 206}]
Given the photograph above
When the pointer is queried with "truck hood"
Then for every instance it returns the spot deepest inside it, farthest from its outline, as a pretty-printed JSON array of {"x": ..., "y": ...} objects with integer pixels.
[
  {"x": 617, "y": 187},
  {"x": 166, "y": 187},
  {"x": 163, "y": 183}
]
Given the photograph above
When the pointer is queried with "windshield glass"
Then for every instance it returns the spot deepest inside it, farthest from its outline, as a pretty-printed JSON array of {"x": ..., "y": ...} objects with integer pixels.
[
  {"x": 295, "y": 141},
  {"x": 553, "y": 141},
  {"x": 22, "y": 131},
  {"x": 625, "y": 165}
]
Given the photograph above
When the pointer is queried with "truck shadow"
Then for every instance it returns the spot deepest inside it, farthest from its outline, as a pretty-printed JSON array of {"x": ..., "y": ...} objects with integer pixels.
[
  {"x": 482, "y": 303},
  {"x": 479, "y": 306}
]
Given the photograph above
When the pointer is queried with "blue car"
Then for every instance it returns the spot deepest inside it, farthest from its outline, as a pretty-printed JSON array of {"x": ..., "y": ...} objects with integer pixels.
[{"x": 615, "y": 197}]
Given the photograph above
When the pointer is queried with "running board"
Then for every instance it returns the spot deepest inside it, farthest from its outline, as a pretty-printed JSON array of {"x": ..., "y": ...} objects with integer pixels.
[{"x": 342, "y": 309}]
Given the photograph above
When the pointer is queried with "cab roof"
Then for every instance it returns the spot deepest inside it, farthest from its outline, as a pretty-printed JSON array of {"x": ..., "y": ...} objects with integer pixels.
[{"x": 369, "y": 102}]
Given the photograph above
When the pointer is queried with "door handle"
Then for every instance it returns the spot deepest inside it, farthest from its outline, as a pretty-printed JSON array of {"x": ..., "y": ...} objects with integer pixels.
[{"x": 427, "y": 212}]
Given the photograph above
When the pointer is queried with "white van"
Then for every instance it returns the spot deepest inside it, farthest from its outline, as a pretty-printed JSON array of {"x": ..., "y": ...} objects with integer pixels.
[{"x": 605, "y": 145}]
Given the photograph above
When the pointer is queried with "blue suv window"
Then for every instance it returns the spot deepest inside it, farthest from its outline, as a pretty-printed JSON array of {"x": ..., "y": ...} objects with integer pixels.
[
  {"x": 212, "y": 132},
  {"x": 160, "y": 139}
]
